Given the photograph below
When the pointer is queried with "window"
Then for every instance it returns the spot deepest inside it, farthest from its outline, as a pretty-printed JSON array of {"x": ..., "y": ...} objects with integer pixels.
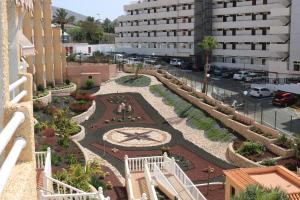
[
  {"x": 253, "y": 17},
  {"x": 253, "y": 2},
  {"x": 252, "y": 46},
  {"x": 265, "y": 1},
  {"x": 253, "y": 32},
  {"x": 264, "y": 16},
  {"x": 264, "y": 46},
  {"x": 264, "y": 31},
  {"x": 263, "y": 61},
  {"x": 90, "y": 77},
  {"x": 233, "y": 46},
  {"x": 224, "y": 32},
  {"x": 224, "y": 45},
  {"x": 297, "y": 66}
]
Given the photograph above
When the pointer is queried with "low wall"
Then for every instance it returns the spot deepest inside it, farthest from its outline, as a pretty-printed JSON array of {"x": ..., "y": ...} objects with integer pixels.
[
  {"x": 45, "y": 99},
  {"x": 239, "y": 160},
  {"x": 65, "y": 91},
  {"x": 79, "y": 136},
  {"x": 285, "y": 153},
  {"x": 85, "y": 115}
]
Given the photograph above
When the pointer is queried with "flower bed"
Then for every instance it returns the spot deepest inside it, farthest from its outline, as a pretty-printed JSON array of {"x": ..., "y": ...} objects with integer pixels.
[
  {"x": 85, "y": 115},
  {"x": 253, "y": 151},
  {"x": 64, "y": 89},
  {"x": 133, "y": 81},
  {"x": 262, "y": 133}
]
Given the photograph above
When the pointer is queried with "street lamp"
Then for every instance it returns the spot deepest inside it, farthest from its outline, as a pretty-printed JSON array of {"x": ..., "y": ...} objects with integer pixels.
[
  {"x": 245, "y": 93},
  {"x": 208, "y": 75}
]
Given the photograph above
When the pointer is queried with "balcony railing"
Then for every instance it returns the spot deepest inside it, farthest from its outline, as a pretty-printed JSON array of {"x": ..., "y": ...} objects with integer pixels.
[{"x": 7, "y": 135}]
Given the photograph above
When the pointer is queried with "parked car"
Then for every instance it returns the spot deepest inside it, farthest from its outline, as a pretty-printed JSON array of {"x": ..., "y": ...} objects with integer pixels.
[
  {"x": 82, "y": 56},
  {"x": 133, "y": 61},
  {"x": 219, "y": 70},
  {"x": 254, "y": 77},
  {"x": 241, "y": 75},
  {"x": 284, "y": 99},
  {"x": 176, "y": 62},
  {"x": 260, "y": 91},
  {"x": 229, "y": 73}
]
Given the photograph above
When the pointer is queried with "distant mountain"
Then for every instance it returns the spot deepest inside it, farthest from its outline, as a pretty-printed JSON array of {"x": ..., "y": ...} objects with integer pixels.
[{"x": 78, "y": 16}]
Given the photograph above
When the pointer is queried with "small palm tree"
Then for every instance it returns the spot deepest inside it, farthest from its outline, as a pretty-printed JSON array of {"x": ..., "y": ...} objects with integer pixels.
[
  {"x": 256, "y": 192},
  {"x": 62, "y": 17},
  {"x": 208, "y": 44},
  {"x": 138, "y": 67}
]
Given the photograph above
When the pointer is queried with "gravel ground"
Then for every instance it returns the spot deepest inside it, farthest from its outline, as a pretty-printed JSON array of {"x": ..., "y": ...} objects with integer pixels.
[{"x": 193, "y": 135}]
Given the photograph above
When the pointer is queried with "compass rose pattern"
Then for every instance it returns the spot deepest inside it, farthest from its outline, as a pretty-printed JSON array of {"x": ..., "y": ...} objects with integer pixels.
[{"x": 137, "y": 137}]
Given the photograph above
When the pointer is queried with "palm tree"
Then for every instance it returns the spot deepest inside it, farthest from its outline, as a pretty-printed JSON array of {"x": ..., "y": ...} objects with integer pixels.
[
  {"x": 256, "y": 192},
  {"x": 138, "y": 67},
  {"x": 208, "y": 44},
  {"x": 62, "y": 17}
]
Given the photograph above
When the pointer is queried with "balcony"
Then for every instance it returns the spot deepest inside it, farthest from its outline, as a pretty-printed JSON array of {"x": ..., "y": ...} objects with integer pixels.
[
  {"x": 173, "y": 52},
  {"x": 283, "y": 48},
  {"x": 280, "y": 12},
  {"x": 277, "y": 30},
  {"x": 160, "y": 39},
  {"x": 157, "y": 27}
]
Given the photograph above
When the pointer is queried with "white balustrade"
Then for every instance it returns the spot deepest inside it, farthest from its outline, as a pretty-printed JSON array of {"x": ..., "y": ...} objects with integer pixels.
[
  {"x": 138, "y": 164},
  {"x": 12, "y": 88},
  {"x": 150, "y": 184},
  {"x": 186, "y": 182},
  {"x": 40, "y": 158},
  {"x": 10, "y": 161},
  {"x": 160, "y": 177}
]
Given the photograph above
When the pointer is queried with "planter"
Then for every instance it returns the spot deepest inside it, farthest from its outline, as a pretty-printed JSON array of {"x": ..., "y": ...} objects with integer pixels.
[
  {"x": 268, "y": 130},
  {"x": 285, "y": 153},
  {"x": 79, "y": 136},
  {"x": 238, "y": 127},
  {"x": 64, "y": 91},
  {"x": 45, "y": 99},
  {"x": 221, "y": 117},
  {"x": 238, "y": 159},
  {"x": 250, "y": 135},
  {"x": 85, "y": 115}
]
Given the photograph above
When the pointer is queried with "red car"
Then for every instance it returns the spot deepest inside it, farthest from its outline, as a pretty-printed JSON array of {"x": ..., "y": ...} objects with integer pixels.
[{"x": 284, "y": 99}]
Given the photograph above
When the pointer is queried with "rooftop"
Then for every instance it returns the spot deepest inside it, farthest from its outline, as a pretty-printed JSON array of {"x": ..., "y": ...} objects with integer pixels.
[{"x": 269, "y": 177}]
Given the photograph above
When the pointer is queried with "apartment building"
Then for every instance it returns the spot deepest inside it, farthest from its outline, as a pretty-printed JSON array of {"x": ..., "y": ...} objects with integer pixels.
[
  {"x": 259, "y": 35},
  {"x": 157, "y": 27}
]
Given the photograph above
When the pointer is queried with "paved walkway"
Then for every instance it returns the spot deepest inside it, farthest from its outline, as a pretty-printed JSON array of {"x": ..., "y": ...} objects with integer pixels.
[
  {"x": 139, "y": 185},
  {"x": 183, "y": 194}
]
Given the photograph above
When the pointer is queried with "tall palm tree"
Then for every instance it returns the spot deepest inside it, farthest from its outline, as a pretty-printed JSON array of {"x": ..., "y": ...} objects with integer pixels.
[
  {"x": 256, "y": 192},
  {"x": 62, "y": 17},
  {"x": 208, "y": 44}
]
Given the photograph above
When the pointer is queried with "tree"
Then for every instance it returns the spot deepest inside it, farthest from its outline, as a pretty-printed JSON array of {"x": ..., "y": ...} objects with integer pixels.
[
  {"x": 62, "y": 17},
  {"x": 138, "y": 67},
  {"x": 208, "y": 44},
  {"x": 92, "y": 30},
  {"x": 108, "y": 26},
  {"x": 257, "y": 192}
]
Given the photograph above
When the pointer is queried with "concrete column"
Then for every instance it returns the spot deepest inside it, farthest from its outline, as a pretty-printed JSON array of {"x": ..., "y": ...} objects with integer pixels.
[
  {"x": 13, "y": 39},
  {"x": 58, "y": 73},
  {"x": 4, "y": 61},
  {"x": 48, "y": 41},
  {"x": 40, "y": 75},
  {"x": 28, "y": 32},
  {"x": 64, "y": 63}
]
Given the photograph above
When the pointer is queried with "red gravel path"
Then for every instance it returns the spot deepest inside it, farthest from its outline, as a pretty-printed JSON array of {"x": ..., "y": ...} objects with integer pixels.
[{"x": 195, "y": 174}]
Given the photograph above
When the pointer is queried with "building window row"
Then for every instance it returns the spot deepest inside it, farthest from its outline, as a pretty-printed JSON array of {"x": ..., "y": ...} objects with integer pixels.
[
  {"x": 157, "y": 21},
  {"x": 171, "y": 33},
  {"x": 161, "y": 9}
]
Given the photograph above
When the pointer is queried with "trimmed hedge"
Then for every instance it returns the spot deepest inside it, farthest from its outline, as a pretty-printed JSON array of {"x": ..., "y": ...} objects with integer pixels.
[{"x": 132, "y": 81}]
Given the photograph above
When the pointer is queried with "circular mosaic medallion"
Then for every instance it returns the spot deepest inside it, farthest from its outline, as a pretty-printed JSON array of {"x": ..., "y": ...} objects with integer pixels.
[{"x": 137, "y": 137}]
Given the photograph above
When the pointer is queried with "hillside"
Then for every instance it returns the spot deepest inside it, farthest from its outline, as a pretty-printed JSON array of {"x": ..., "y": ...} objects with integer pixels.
[{"x": 78, "y": 16}]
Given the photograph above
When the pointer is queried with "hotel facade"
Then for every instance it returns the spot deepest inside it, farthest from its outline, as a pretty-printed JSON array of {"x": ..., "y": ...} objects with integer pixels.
[{"x": 260, "y": 35}]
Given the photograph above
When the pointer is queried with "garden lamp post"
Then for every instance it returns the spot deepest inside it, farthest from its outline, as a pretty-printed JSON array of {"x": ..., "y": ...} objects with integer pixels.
[
  {"x": 208, "y": 75},
  {"x": 245, "y": 93}
]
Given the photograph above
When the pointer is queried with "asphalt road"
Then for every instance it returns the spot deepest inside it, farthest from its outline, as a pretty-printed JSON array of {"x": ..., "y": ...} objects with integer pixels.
[{"x": 260, "y": 109}]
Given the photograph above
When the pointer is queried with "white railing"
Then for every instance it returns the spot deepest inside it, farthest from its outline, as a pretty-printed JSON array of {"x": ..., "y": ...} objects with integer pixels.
[
  {"x": 20, "y": 143},
  {"x": 129, "y": 188},
  {"x": 186, "y": 182},
  {"x": 10, "y": 161},
  {"x": 138, "y": 164},
  {"x": 16, "y": 98},
  {"x": 150, "y": 183},
  {"x": 54, "y": 189},
  {"x": 160, "y": 177}
]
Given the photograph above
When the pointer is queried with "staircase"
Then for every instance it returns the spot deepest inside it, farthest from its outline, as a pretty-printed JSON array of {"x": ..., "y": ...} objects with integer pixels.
[{"x": 52, "y": 189}]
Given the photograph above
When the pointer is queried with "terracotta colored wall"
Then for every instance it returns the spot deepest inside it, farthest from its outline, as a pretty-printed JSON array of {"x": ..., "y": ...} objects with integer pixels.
[{"x": 100, "y": 72}]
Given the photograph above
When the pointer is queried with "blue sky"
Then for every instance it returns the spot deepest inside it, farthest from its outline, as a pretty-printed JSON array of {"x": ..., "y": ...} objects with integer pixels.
[{"x": 106, "y": 8}]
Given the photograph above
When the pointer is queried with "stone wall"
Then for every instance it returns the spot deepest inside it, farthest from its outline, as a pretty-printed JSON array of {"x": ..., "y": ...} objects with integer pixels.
[
  {"x": 64, "y": 91},
  {"x": 85, "y": 115}
]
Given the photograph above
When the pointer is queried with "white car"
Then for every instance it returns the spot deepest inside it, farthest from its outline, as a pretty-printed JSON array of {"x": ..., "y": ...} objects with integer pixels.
[
  {"x": 254, "y": 77},
  {"x": 176, "y": 62},
  {"x": 133, "y": 61},
  {"x": 258, "y": 91},
  {"x": 241, "y": 75},
  {"x": 82, "y": 56}
]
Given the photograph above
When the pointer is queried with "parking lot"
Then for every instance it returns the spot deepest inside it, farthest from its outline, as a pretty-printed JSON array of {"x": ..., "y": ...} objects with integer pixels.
[{"x": 262, "y": 110}]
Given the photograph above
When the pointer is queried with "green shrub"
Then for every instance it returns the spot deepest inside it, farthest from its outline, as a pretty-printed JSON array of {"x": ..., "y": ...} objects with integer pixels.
[
  {"x": 40, "y": 88},
  {"x": 134, "y": 81},
  {"x": 269, "y": 162},
  {"x": 55, "y": 158},
  {"x": 67, "y": 81},
  {"x": 71, "y": 159},
  {"x": 251, "y": 148},
  {"x": 64, "y": 142},
  {"x": 89, "y": 84},
  {"x": 285, "y": 142},
  {"x": 50, "y": 84}
]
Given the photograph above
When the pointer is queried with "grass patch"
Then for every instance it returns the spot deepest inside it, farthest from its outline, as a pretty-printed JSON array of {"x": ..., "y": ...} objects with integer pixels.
[
  {"x": 196, "y": 118},
  {"x": 132, "y": 81}
]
